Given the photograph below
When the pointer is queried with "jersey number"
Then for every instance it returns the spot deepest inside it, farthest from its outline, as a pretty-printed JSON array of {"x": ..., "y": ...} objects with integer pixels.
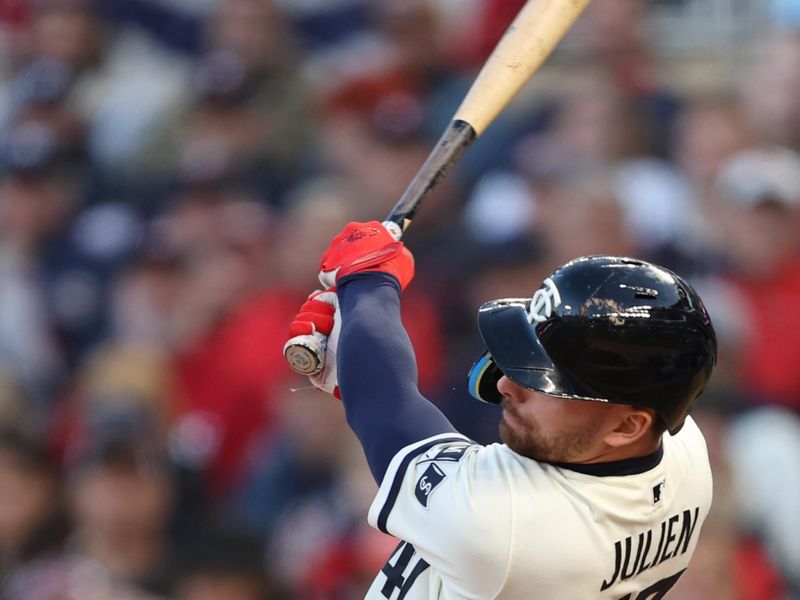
[
  {"x": 394, "y": 573},
  {"x": 656, "y": 591}
]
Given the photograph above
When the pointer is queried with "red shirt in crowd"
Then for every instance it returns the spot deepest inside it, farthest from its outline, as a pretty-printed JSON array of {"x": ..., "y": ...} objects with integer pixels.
[{"x": 771, "y": 354}]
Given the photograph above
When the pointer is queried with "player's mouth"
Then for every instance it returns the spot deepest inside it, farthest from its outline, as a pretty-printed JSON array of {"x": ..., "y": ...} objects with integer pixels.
[{"x": 510, "y": 417}]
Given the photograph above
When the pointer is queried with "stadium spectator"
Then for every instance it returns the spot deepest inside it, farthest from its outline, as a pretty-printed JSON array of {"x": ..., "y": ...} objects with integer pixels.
[{"x": 759, "y": 193}]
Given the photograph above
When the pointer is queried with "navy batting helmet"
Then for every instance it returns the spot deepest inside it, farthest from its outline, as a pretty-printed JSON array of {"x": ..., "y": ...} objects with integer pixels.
[{"x": 603, "y": 328}]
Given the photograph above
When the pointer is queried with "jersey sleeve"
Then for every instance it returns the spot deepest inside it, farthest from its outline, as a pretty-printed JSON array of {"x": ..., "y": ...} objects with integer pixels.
[{"x": 449, "y": 498}]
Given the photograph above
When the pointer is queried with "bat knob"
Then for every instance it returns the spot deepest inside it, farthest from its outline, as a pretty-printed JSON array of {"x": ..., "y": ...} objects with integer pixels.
[{"x": 305, "y": 354}]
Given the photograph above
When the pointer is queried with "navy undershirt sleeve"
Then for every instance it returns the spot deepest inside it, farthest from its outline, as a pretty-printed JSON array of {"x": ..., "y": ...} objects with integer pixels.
[{"x": 377, "y": 372}]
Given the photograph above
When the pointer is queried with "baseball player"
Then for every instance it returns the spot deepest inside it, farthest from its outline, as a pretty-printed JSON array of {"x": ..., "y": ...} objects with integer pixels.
[{"x": 602, "y": 482}]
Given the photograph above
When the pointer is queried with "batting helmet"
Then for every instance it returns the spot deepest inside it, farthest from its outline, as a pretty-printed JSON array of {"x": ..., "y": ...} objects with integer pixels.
[{"x": 603, "y": 328}]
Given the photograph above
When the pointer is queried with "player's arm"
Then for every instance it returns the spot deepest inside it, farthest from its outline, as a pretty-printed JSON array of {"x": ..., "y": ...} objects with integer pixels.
[{"x": 378, "y": 371}]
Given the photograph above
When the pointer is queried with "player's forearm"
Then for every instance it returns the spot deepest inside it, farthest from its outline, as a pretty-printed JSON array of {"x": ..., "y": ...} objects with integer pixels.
[{"x": 378, "y": 372}]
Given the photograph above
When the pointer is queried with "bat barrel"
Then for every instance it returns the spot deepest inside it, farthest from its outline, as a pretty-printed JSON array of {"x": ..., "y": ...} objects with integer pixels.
[{"x": 534, "y": 34}]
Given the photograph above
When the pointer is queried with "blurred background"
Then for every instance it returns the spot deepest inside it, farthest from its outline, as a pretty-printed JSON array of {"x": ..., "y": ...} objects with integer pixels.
[{"x": 170, "y": 172}]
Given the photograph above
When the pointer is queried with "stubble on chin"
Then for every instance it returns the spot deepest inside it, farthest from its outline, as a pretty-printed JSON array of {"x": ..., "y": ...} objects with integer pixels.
[{"x": 557, "y": 448}]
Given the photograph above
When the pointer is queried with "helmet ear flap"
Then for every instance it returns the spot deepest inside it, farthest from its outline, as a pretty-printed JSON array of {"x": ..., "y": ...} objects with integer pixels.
[{"x": 483, "y": 378}]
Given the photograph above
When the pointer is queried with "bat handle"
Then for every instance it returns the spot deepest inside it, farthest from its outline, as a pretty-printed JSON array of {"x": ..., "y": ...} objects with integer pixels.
[{"x": 456, "y": 138}]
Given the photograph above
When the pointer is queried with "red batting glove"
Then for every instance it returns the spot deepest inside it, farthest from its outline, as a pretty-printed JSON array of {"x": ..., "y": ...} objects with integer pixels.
[
  {"x": 366, "y": 247},
  {"x": 313, "y": 316}
]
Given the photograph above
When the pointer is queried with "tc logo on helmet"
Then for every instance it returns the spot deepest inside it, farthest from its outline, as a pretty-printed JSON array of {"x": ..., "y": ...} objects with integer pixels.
[{"x": 544, "y": 300}]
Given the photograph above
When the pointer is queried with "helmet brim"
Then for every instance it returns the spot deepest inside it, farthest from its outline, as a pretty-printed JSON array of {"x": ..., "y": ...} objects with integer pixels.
[{"x": 514, "y": 350}]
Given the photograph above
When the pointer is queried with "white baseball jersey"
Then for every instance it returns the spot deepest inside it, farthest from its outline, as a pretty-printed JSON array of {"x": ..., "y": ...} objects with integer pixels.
[{"x": 483, "y": 522}]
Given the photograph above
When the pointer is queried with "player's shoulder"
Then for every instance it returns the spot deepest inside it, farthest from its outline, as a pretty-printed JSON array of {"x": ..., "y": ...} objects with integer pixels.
[
  {"x": 686, "y": 455},
  {"x": 688, "y": 441},
  {"x": 448, "y": 499},
  {"x": 445, "y": 461}
]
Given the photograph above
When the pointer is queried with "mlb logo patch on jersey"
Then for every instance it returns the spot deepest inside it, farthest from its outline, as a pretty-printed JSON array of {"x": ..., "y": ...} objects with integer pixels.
[
  {"x": 658, "y": 491},
  {"x": 431, "y": 478}
]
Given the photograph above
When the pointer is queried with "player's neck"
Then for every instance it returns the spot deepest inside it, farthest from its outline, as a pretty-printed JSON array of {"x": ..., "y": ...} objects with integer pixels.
[{"x": 641, "y": 447}]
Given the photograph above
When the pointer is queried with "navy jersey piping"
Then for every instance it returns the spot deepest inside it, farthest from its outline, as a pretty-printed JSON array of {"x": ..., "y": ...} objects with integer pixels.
[{"x": 617, "y": 468}]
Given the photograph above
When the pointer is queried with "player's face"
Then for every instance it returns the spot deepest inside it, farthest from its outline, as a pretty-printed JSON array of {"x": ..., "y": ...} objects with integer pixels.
[{"x": 551, "y": 429}]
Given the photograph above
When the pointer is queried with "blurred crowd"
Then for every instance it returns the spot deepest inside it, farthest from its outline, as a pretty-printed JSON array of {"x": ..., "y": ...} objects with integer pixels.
[{"x": 170, "y": 173}]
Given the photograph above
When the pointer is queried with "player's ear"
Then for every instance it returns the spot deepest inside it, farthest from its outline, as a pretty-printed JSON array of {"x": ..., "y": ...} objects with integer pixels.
[{"x": 632, "y": 425}]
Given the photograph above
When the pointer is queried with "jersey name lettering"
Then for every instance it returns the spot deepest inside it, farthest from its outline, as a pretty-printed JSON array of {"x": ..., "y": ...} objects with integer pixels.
[{"x": 628, "y": 564}]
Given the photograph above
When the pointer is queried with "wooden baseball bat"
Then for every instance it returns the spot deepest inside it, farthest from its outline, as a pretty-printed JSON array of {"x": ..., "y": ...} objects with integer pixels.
[{"x": 526, "y": 44}]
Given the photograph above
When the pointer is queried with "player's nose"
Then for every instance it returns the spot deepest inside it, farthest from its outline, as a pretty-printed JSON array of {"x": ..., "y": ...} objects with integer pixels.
[{"x": 509, "y": 390}]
